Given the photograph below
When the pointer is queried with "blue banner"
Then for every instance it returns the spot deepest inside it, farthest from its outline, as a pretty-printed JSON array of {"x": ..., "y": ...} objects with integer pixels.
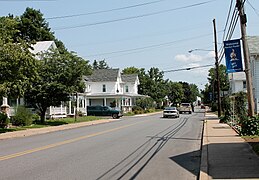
[{"x": 233, "y": 56}]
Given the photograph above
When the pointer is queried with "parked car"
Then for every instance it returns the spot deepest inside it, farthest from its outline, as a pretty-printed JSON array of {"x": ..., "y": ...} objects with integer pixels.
[
  {"x": 170, "y": 112},
  {"x": 103, "y": 111},
  {"x": 185, "y": 107}
]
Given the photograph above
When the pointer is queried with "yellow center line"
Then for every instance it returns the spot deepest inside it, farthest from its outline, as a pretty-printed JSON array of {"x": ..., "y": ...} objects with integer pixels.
[{"x": 62, "y": 143}]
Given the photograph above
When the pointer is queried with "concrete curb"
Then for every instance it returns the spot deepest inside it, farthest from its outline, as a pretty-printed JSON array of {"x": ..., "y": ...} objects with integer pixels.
[
  {"x": 36, "y": 131},
  {"x": 204, "y": 168}
]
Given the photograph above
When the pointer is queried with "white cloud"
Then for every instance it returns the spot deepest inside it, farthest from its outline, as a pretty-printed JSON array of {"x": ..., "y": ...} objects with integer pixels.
[{"x": 188, "y": 58}]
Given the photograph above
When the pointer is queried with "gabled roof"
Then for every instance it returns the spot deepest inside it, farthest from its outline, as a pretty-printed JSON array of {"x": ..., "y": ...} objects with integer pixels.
[
  {"x": 253, "y": 44},
  {"x": 103, "y": 75},
  {"x": 129, "y": 77},
  {"x": 43, "y": 46}
]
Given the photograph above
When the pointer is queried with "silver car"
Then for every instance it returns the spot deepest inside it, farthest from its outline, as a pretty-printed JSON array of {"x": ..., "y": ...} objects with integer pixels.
[{"x": 170, "y": 112}]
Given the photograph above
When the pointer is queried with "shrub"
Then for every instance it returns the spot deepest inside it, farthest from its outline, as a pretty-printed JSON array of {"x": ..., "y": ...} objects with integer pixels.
[
  {"x": 137, "y": 110},
  {"x": 35, "y": 118},
  {"x": 145, "y": 103},
  {"x": 214, "y": 107},
  {"x": 4, "y": 120},
  {"x": 250, "y": 126},
  {"x": 23, "y": 117}
]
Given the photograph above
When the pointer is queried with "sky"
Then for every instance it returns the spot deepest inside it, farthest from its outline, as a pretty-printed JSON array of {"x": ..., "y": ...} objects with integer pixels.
[{"x": 143, "y": 33}]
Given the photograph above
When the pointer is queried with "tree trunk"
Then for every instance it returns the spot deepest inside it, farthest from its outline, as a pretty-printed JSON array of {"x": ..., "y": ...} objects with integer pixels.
[{"x": 42, "y": 115}]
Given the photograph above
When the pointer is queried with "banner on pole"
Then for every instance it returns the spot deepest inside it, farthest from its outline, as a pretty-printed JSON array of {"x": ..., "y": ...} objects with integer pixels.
[{"x": 233, "y": 56}]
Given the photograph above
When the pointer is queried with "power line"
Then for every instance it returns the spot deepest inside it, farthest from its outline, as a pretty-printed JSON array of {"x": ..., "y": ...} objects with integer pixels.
[
  {"x": 133, "y": 17},
  {"x": 255, "y": 10},
  {"x": 150, "y": 46},
  {"x": 230, "y": 7},
  {"x": 104, "y": 11},
  {"x": 188, "y": 68}
]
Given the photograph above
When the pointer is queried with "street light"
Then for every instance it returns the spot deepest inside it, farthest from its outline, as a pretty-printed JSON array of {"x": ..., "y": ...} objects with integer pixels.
[
  {"x": 190, "y": 51},
  {"x": 217, "y": 76}
]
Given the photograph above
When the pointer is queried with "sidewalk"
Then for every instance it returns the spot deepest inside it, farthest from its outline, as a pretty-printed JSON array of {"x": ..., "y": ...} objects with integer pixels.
[{"x": 225, "y": 155}]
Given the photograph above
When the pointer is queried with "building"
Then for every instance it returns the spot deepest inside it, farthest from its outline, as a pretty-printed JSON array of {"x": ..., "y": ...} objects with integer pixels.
[
  {"x": 109, "y": 87},
  {"x": 104, "y": 87},
  {"x": 253, "y": 46},
  {"x": 238, "y": 80}
]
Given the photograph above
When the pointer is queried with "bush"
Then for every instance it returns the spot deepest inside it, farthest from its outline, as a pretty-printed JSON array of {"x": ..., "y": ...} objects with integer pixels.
[
  {"x": 35, "y": 118},
  {"x": 137, "y": 110},
  {"x": 145, "y": 103},
  {"x": 4, "y": 120},
  {"x": 250, "y": 126},
  {"x": 23, "y": 117}
]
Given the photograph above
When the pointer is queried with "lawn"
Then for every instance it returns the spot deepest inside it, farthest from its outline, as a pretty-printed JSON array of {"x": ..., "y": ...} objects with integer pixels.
[{"x": 51, "y": 122}]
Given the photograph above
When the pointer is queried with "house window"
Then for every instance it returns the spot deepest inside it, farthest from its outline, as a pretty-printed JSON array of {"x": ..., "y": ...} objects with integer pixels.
[
  {"x": 127, "y": 88},
  {"x": 104, "y": 88},
  {"x": 244, "y": 84}
]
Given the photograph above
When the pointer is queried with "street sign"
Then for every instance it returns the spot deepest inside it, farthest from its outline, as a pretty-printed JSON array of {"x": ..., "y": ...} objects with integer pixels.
[{"x": 233, "y": 56}]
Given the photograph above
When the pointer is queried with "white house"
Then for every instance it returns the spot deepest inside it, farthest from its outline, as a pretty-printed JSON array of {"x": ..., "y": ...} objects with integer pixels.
[
  {"x": 62, "y": 111},
  {"x": 253, "y": 46},
  {"x": 104, "y": 87},
  {"x": 109, "y": 87},
  {"x": 238, "y": 80},
  {"x": 37, "y": 49}
]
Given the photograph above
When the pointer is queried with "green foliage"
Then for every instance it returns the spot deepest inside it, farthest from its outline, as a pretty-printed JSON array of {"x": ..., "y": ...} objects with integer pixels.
[
  {"x": 226, "y": 106},
  {"x": 4, "y": 120},
  {"x": 175, "y": 92},
  {"x": 131, "y": 70},
  {"x": 33, "y": 27},
  {"x": 240, "y": 106},
  {"x": 214, "y": 107},
  {"x": 100, "y": 65},
  {"x": 59, "y": 75},
  {"x": 23, "y": 117},
  {"x": 250, "y": 126},
  {"x": 209, "y": 93},
  {"x": 145, "y": 103},
  {"x": 190, "y": 91},
  {"x": 35, "y": 118},
  {"x": 137, "y": 110}
]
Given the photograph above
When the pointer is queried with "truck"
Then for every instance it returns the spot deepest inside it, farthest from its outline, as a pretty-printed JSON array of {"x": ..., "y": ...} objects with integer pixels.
[
  {"x": 185, "y": 108},
  {"x": 103, "y": 111}
]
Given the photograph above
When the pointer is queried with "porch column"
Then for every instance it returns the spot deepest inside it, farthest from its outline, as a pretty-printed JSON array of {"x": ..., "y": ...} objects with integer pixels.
[
  {"x": 61, "y": 109},
  {"x": 105, "y": 102},
  {"x": 77, "y": 103},
  {"x": 69, "y": 107}
]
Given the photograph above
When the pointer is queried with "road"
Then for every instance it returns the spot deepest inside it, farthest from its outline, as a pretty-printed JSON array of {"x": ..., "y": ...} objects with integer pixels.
[{"x": 144, "y": 147}]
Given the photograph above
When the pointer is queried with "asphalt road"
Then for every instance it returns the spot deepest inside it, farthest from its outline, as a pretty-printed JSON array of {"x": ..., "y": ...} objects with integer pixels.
[{"x": 147, "y": 147}]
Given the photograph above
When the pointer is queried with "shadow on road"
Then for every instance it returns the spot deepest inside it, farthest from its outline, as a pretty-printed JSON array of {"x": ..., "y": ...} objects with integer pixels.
[{"x": 132, "y": 165}]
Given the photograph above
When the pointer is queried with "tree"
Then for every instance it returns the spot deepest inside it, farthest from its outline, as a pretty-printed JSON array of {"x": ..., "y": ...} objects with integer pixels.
[
  {"x": 175, "y": 92},
  {"x": 100, "y": 65},
  {"x": 33, "y": 27},
  {"x": 191, "y": 92},
  {"x": 18, "y": 68},
  {"x": 223, "y": 78},
  {"x": 131, "y": 70},
  {"x": 60, "y": 75},
  {"x": 153, "y": 84}
]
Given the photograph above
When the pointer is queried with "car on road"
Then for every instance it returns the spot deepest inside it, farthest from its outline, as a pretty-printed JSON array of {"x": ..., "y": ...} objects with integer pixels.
[
  {"x": 103, "y": 111},
  {"x": 185, "y": 108},
  {"x": 170, "y": 112}
]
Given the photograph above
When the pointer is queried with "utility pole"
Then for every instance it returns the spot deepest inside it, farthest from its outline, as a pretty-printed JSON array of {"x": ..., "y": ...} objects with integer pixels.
[
  {"x": 243, "y": 20},
  {"x": 217, "y": 68}
]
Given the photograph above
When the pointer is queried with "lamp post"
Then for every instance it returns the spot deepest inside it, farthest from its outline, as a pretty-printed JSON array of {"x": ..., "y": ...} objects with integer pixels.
[{"x": 217, "y": 76}]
